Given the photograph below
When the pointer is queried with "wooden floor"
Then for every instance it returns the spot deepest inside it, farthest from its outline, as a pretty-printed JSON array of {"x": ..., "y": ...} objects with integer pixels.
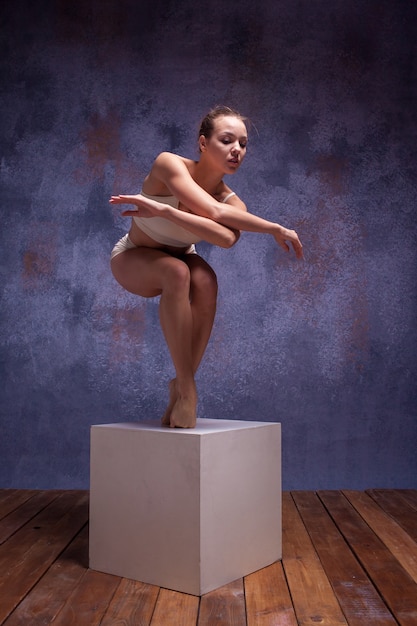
[{"x": 349, "y": 557}]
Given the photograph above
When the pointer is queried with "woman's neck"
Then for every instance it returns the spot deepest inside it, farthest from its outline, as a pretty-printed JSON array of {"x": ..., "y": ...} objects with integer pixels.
[{"x": 206, "y": 177}]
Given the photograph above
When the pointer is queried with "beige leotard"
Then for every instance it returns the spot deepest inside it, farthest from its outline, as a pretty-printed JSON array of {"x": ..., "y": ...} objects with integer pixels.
[{"x": 162, "y": 230}]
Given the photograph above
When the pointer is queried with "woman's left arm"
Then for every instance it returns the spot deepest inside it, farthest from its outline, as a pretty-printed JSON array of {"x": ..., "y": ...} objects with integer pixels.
[{"x": 204, "y": 228}]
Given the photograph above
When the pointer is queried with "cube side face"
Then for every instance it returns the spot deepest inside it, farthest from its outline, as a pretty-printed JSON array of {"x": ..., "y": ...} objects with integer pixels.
[
  {"x": 144, "y": 506},
  {"x": 241, "y": 514}
]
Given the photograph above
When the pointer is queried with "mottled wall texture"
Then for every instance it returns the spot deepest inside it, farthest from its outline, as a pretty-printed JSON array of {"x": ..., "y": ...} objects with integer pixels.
[{"x": 91, "y": 91}]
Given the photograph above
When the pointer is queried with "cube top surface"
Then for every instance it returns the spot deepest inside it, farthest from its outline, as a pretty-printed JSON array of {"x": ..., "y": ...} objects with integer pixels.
[{"x": 203, "y": 426}]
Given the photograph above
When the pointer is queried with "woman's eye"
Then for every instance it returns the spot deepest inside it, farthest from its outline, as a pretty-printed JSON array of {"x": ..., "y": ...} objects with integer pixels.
[{"x": 227, "y": 140}]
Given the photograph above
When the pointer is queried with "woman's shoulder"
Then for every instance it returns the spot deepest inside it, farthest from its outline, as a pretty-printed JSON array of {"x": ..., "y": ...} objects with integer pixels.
[
  {"x": 166, "y": 166},
  {"x": 170, "y": 159}
]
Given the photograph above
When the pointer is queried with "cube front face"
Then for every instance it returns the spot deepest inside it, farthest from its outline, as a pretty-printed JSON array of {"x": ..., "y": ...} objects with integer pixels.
[
  {"x": 144, "y": 506},
  {"x": 186, "y": 510}
]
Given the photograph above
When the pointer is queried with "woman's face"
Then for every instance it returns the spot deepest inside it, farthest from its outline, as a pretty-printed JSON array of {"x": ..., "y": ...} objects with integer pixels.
[{"x": 226, "y": 148}]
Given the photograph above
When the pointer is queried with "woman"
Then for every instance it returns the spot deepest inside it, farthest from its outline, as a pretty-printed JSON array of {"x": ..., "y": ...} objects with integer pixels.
[{"x": 183, "y": 202}]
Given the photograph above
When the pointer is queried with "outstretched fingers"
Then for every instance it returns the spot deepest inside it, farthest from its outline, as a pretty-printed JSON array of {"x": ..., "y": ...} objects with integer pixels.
[
  {"x": 122, "y": 199},
  {"x": 298, "y": 248},
  {"x": 292, "y": 237},
  {"x": 286, "y": 235},
  {"x": 143, "y": 206}
]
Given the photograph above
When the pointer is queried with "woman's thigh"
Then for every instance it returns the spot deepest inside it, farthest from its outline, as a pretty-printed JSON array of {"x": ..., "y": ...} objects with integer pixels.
[
  {"x": 147, "y": 271},
  {"x": 202, "y": 274}
]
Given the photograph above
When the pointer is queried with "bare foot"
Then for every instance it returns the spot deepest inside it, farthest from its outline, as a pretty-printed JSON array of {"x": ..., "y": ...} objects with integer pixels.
[
  {"x": 166, "y": 418},
  {"x": 184, "y": 411}
]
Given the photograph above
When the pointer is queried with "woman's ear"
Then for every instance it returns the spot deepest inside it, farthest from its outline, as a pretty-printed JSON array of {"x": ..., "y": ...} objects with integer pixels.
[{"x": 202, "y": 143}]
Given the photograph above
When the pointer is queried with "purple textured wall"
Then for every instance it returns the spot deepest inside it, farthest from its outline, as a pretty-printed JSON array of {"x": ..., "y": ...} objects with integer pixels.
[{"x": 91, "y": 92}]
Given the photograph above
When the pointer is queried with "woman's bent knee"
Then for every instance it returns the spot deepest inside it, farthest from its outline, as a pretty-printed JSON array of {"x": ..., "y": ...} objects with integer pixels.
[{"x": 176, "y": 276}]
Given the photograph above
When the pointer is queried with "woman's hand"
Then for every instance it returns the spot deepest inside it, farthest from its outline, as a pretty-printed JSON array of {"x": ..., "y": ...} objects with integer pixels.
[
  {"x": 145, "y": 207},
  {"x": 283, "y": 235}
]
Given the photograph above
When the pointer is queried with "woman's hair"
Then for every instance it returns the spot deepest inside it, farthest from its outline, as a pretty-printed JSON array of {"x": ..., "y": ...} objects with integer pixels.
[{"x": 207, "y": 124}]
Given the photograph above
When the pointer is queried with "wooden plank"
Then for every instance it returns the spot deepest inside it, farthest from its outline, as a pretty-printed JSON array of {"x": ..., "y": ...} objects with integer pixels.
[
  {"x": 224, "y": 606},
  {"x": 89, "y": 600},
  {"x": 360, "y": 602},
  {"x": 15, "y": 548},
  {"x": 133, "y": 604},
  {"x": 27, "y": 555},
  {"x": 399, "y": 509},
  {"x": 387, "y": 529},
  {"x": 47, "y": 598},
  {"x": 28, "y": 508},
  {"x": 312, "y": 595},
  {"x": 393, "y": 583},
  {"x": 6, "y": 493},
  {"x": 173, "y": 607},
  {"x": 268, "y": 601},
  {"x": 11, "y": 499},
  {"x": 44, "y": 558},
  {"x": 410, "y": 495}
]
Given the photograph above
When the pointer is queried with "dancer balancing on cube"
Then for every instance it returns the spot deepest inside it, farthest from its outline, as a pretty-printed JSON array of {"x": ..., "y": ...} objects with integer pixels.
[{"x": 182, "y": 202}]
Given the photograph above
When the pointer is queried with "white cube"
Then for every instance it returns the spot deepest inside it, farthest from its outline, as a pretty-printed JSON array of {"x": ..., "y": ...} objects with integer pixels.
[{"x": 189, "y": 510}]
